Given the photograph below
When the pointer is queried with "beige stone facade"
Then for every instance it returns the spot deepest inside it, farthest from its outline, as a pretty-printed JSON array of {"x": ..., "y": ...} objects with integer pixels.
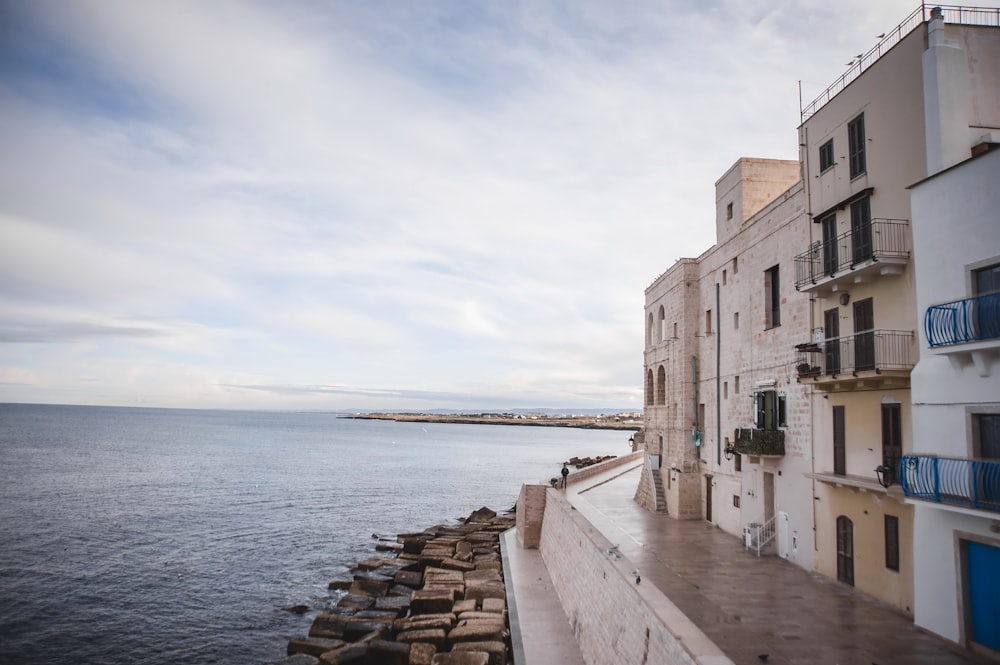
[{"x": 791, "y": 342}]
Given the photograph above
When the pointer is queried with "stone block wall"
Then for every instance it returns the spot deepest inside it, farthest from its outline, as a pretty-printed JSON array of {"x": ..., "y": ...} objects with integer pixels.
[
  {"x": 614, "y": 619},
  {"x": 530, "y": 509}
]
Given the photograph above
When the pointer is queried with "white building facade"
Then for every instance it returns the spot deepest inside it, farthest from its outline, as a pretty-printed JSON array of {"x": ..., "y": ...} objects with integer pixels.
[{"x": 952, "y": 477}]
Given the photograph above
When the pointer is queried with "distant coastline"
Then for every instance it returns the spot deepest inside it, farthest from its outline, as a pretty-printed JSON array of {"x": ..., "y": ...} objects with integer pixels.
[{"x": 615, "y": 422}]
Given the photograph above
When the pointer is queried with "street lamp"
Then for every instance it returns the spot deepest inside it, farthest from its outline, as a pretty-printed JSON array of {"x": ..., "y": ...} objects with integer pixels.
[{"x": 884, "y": 474}]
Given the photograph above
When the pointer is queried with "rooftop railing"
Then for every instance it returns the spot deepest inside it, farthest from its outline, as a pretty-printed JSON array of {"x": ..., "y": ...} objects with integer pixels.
[
  {"x": 972, "y": 319},
  {"x": 976, "y": 16},
  {"x": 882, "y": 238},
  {"x": 970, "y": 483}
]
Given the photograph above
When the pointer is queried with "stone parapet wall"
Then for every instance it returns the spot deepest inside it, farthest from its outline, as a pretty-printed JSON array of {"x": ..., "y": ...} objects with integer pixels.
[
  {"x": 588, "y": 472},
  {"x": 614, "y": 618}
]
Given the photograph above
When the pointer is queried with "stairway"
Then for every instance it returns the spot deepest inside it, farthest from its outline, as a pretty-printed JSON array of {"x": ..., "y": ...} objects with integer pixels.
[
  {"x": 659, "y": 496},
  {"x": 756, "y": 535}
]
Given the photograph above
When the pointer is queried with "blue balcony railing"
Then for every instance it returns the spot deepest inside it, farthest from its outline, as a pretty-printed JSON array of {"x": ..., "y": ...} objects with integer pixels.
[
  {"x": 961, "y": 482},
  {"x": 968, "y": 320}
]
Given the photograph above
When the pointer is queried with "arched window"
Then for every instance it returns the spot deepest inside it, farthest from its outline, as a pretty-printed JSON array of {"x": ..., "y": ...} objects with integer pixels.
[
  {"x": 661, "y": 386},
  {"x": 649, "y": 330},
  {"x": 649, "y": 388},
  {"x": 661, "y": 330}
]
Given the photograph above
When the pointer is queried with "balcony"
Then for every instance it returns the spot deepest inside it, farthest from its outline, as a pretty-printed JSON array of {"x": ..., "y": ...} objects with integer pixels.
[
  {"x": 967, "y": 483},
  {"x": 874, "y": 359},
  {"x": 966, "y": 330},
  {"x": 759, "y": 442},
  {"x": 880, "y": 248}
]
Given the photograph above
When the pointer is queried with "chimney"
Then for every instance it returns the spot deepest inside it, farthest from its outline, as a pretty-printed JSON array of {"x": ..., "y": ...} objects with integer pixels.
[{"x": 946, "y": 97}]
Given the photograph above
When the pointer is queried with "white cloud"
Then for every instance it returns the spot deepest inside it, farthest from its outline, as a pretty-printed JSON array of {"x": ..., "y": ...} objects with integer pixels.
[{"x": 377, "y": 204}]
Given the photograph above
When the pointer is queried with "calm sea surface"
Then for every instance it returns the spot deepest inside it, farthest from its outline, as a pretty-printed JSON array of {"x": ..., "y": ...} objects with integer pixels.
[{"x": 177, "y": 536}]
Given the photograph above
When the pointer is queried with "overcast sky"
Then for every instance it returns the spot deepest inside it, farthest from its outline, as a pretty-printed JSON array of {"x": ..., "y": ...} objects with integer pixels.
[{"x": 375, "y": 205}]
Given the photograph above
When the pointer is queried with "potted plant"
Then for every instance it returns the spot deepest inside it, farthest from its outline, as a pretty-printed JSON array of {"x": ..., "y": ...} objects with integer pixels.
[{"x": 806, "y": 370}]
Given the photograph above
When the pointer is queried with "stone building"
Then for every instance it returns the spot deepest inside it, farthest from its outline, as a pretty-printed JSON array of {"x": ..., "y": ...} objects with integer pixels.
[{"x": 778, "y": 364}]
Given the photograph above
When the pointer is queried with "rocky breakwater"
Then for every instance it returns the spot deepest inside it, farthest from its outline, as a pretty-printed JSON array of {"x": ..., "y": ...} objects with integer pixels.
[{"x": 440, "y": 600}]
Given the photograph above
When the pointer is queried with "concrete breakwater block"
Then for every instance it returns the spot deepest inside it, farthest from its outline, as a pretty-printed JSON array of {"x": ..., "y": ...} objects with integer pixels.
[
  {"x": 313, "y": 646},
  {"x": 497, "y": 650},
  {"x": 478, "y": 630},
  {"x": 388, "y": 653},
  {"x": 436, "y": 636},
  {"x": 422, "y": 653},
  {"x": 424, "y": 621},
  {"x": 432, "y": 601},
  {"x": 461, "y": 658},
  {"x": 441, "y": 600}
]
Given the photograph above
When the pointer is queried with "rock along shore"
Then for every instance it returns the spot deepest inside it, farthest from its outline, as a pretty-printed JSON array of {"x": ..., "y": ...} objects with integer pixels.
[{"x": 436, "y": 597}]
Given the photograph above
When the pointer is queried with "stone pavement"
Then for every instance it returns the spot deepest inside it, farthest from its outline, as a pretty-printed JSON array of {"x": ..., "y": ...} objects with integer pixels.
[{"x": 755, "y": 609}]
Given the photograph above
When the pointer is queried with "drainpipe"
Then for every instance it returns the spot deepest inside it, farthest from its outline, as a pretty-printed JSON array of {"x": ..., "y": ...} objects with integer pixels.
[
  {"x": 718, "y": 379},
  {"x": 694, "y": 392}
]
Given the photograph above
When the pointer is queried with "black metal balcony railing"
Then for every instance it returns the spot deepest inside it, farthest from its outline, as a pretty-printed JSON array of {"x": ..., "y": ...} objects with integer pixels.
[
  {"x": 968, "y": 320},
  {"x": 871, "y": 350},
  {"x": 961, "y": 482},
  {"x": 880, "y": 239}
]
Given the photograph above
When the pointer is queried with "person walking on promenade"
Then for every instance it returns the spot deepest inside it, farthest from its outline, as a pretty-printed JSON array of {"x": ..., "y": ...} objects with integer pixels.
[{"x": 565, "y": 475}]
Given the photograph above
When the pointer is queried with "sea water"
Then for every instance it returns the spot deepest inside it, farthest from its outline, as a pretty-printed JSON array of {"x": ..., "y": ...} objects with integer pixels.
[{"x": 178, "y": 536}]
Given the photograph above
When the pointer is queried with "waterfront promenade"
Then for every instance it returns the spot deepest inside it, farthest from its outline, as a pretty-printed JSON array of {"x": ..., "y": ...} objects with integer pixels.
[{"x": 755, "y": 609}]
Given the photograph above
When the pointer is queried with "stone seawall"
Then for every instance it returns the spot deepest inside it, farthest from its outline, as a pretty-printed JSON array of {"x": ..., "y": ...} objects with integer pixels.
[{"x": 615, "y": 618}]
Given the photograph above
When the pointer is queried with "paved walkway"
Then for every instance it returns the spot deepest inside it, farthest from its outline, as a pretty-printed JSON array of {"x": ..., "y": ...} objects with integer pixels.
[{"x": 753, "y": 607}]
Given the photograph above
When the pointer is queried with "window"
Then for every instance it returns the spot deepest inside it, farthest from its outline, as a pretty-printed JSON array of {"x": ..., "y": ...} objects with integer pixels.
[
  {"x": 736, "y": 320},
  {"x": 826, "y": 156},
  {"x": 769, "y": 410},
  {"x": 649, "y": 388},
  {"x": 736, "y": 385},
  {"x": 660, "y": 327},
  {"x": 986, "y": 434},
  {"x": 675, "y": 330},
  {"x": 725, "y": 390},
  {"x": 892, "y": 542},
  {"x": 661, "y": 386},
  {"x": 729, "y": 210},
  {"x": 772, "y": 298},
  {"x": 736, "y": 265},
  {"x": 736, "y": 501},
  {"x": 737, "y": 462},
  {"x": 723, "y": 277},
  {"x": 856, "y": 145},
  {"x": 708, "y": 322}
]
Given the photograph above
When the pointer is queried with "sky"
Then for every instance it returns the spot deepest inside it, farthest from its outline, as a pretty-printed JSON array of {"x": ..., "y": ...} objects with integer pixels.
[{"x": 378, "y": 205}]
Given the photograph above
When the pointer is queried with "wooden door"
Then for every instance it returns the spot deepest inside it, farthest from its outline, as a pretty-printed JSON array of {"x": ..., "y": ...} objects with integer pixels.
[{"x": 845, "y": 550}]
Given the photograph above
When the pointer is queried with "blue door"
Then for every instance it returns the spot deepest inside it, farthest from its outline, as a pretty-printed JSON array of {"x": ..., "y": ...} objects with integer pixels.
[{"x": 983, "y": 565}]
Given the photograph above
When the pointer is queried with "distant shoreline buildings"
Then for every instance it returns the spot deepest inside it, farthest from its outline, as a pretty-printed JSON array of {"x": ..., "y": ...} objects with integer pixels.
[{"x": 824, "y": 381}]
